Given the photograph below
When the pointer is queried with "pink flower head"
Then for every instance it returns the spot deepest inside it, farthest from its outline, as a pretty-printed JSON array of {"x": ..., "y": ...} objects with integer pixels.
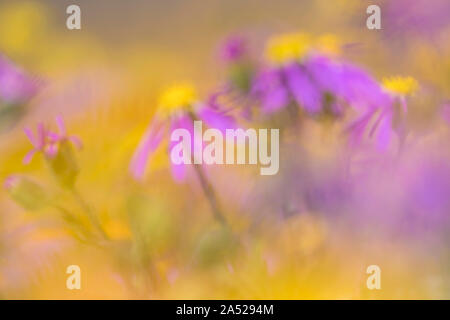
[
  {"x": 62, "y": 135},
  {"x": 39, "y": 141},
  {"x": 48, "y": 142}
]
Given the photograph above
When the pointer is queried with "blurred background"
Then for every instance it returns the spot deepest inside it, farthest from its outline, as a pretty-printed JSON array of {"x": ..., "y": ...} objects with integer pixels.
[{"x": 308, "y": 232}]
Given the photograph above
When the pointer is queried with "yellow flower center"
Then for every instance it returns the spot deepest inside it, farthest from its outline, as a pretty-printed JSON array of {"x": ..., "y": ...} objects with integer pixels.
[
  {"x": 176, "y": 98},
  {"x": 401, "y": 85},
  {"x": 328, "y": 43},
  {"x": 288, "y": 47}
]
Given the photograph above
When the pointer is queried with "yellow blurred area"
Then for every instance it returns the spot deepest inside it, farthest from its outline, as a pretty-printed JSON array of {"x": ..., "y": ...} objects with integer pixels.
[{"x": 22, "y": 26}]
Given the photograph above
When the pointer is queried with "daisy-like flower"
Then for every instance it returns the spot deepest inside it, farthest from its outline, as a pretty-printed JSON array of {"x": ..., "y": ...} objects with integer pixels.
[
  {"x": 304, "y": 71},
  {"x": 178, "y": 107},
  {"x": 388, "y": 118}
]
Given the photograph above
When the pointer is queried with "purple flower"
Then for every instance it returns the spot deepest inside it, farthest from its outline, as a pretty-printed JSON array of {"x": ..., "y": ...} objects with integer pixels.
[
  {"x": 307, "y": 83},
  {"x": 233, "y": 49},
  {"x": 234, "y": 93},
  {"x": 15, "y": 85},
  {"x": 387, "y": 116},
  {"x": 178, "y": 109},
  {"x": 347, "y": 82}
]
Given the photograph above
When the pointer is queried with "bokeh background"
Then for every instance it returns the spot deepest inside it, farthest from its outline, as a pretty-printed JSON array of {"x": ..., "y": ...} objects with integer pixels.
[{"x": 309, "y": 232}]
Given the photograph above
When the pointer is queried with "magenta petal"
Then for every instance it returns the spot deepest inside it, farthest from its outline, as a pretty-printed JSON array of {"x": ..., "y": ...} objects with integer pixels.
[
  {"x": 15, "y": 85},
  {"x": 29, "y": 156},
  {"x": 326, "y": 73},
  {"x": 357, "y": 127},
  {"x": 384, "y": 134},
  {"x": 304, "y": 91},
  {"x": 275, "y": 100},
  {"x": 53, "y": 137},
  {"x": 185, "y": 122},
  {"x": 178, "y": 172},
  {"x": 359, "y": 89},
  {"x": 149, "y": 143},
  {"x": 76, "y": 141},
  {"x": 216, "y": 119},
  {"x": 30, "y": 136},
  {"x": 269, "y": 89}
]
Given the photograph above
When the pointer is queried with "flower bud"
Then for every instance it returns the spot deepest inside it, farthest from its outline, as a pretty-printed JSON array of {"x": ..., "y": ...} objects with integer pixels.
[
  {"x": 25, "y": 192},
  {"x": 63, "y": 165},
  {"x": 241, "y": 76}
]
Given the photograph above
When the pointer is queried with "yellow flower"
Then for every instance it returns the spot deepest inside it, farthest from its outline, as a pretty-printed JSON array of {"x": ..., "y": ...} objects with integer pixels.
[
  {"x": 177, "y": 97},
  {"x": 401, "y": 85},
  {"x": 328, "y": 43},
  {"x": 288, "y": 47}
]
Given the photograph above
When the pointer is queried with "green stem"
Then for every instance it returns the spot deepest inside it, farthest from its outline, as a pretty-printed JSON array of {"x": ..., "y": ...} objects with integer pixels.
[
  {"x": 210, "y": 195},
  {"x": 92, "y": 217}
]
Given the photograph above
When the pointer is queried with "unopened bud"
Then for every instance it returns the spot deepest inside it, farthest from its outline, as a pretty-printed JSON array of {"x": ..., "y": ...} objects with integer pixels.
[
  {"x": 241, "y": 76},
  {"x": 64, "y": 165},
  {"x": 25, "y": 192}
]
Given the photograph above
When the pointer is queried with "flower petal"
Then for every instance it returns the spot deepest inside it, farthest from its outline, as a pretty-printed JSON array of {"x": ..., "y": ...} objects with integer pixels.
[
  {"x": 182, "y": 122},
  {"x": 178, "y": 172},
  {"x": 15, "y": 85},
  {"x": 30, "y": 136},
  {"x": 306, "y": 93},
  {"x": 76, "y": 141},
  {"x": 360, "y": 90},
  {"x": 269, "y": 89},
  {"x": 384, "y": 133},
  {"x": 29, "y": 156},
  {"x": 149, "y": 143},
  {"x": 216, "y": 119},
  {"x": 275, "y": 100},
  {"x": 326, "y": 73}
]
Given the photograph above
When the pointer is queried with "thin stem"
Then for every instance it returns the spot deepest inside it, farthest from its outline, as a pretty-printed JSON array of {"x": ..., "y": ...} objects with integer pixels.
[
  {"x": 208, "y": 190},
  {"x": 92, "y": 217}
]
